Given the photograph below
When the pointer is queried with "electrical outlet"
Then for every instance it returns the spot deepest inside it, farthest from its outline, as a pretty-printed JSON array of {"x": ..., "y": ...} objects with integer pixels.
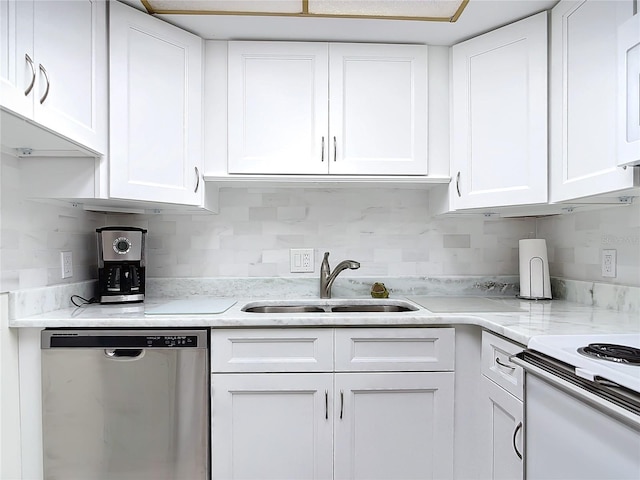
[
  {"x": 301, "y": 260},
  {"x": 608, "y": 263},
  {"x": 66, "y": 263}
]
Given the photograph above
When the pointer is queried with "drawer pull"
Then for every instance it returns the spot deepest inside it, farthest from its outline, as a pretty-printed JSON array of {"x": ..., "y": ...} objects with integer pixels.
[
  {"x": 515, "y": 434},
  {"x": 326, "y": 405},
  {"x": 504, "y": 364}
]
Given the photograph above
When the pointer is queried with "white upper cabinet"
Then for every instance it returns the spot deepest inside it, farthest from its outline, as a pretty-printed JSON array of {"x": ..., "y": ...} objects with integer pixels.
[
  {"x": 155, "y": 110},
  {"x": 629, "y": 92},
  {"x": 584, "y": 99},
  {"x": 53, "y": 69},
  {"x": 17, "y": 68},
  {"x": 277, "y": 110},
  {"x": 499, "y": 124},
  {"x": 317, "y": 108},
  {"x": 377, "y": 109}
]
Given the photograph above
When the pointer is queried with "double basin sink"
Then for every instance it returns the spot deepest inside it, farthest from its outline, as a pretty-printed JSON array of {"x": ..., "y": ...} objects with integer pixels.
[{"x": 330, "y": 306}]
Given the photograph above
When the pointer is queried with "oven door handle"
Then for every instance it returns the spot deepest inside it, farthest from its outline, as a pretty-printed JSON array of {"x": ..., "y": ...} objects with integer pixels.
[{"x": 605, "y": 406}]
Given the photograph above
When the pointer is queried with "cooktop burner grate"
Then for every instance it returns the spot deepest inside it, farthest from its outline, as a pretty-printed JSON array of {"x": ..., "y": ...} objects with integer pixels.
[{"x": 614, "y": 353}]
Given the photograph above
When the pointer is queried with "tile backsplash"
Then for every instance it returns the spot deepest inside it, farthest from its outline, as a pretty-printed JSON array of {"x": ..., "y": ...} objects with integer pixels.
[
  {"x": 391, "y": 232},
  {"x": 575, "y": 243},
  {"x": 32, "y": 235}
]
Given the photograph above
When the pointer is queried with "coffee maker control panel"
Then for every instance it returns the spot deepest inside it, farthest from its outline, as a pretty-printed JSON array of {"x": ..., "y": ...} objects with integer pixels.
[{"x": 122, "y": 245}]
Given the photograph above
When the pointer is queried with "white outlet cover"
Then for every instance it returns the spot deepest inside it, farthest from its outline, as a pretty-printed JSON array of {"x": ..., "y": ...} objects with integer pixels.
[
  {"x": 66, "y": 264},
  {"x": 609, "y": 263}
]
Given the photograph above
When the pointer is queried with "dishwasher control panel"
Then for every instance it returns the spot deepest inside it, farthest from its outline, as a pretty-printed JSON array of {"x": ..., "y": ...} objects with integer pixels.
[
  {"x": 172, "y": 341},
  {"x": 123, "y": 339}
]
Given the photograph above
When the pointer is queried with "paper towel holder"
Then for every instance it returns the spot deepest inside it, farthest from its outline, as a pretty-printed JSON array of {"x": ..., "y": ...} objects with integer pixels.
[{"x": 534, "y": 270}]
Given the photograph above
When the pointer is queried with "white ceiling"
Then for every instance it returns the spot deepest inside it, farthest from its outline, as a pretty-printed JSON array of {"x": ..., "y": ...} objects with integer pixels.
[{"x": 479, "y": 16}]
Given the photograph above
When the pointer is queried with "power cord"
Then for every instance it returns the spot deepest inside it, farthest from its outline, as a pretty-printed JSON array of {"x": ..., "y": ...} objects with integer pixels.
[{"x": 84, "y": 301}]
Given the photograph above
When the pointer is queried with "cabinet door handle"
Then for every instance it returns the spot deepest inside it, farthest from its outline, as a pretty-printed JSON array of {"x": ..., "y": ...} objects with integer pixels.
[
  {"x": 46, "y": 76},
  {"x": 335, "y": 150},
  {"x": 515, "y": 434},
  {"x": 326, "y": 404},
  {"x": 504, "y": 364},
  {"x": 197, "y": 180},
  {"x": 341, "y": 403},
  {"x": 458, "y": 184},
  {"x": 322, "y": 154},
  {"x": 33, "y": 74}
]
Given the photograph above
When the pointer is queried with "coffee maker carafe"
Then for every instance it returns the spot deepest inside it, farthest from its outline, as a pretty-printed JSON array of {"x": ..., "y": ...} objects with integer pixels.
[{"x": 121, "y": 264}]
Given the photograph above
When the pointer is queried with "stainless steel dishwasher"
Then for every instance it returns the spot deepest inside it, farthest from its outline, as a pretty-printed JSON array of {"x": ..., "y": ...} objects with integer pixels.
[{"x": 129, "y": 404}]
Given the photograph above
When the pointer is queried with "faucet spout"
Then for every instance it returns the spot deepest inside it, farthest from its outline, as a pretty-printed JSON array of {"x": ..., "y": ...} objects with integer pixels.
[{"x": 327, "y": 277}]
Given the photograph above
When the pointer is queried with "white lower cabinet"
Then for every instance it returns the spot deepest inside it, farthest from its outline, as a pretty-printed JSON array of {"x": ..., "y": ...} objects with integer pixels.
[
  {"x": 281, "y": 423},
  {"x": 272, "y": 426},
  {"x": 504, "y": 413},
  {"x": 502, "y": 410},
  {"x": 393, "y": 425}
]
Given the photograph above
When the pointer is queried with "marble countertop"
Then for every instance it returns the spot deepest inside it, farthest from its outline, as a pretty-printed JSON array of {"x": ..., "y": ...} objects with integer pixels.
[{"x": 513, "y": 318}]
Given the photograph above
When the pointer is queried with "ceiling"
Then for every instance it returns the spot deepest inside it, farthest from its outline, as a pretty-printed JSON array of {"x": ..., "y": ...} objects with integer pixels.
[{"x": 478, "y": 17}]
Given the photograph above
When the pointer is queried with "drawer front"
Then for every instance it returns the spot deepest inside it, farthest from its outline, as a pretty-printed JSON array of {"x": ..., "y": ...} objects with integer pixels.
[
  {"x": 496, "y": 365},
  {"x": 395, "y": 349},
  {"x": 272, "y": 350}
]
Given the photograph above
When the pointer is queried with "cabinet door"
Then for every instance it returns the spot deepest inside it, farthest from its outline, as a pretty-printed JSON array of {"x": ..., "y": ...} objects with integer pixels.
[
  {"x": 629, "y": 92},
  {"x": 155, "y": 109},
  {"x": 70, "y": 55},
  {"x": 394, "y": 425},
  {"x": 583, "y": 99},
  {"x": 272, "y": 426},
  {"x": 378, "y": 109},
  {"x": 277, "y": 108},
  {"x": 17, "y": 70},
  {"x": 503, "y": 442},
  {"x": 499, "y": 138}
]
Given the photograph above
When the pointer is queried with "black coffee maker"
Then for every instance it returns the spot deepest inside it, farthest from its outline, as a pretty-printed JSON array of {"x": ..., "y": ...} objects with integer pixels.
[{"x": 121, "y": 264}]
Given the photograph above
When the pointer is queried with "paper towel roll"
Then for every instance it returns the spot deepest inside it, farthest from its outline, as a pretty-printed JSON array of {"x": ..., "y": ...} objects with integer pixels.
[{"x": 534, "y": 269}]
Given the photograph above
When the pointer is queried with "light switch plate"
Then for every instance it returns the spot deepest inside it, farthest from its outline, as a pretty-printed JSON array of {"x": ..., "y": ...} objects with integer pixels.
[{"x": 301, "y": 260}]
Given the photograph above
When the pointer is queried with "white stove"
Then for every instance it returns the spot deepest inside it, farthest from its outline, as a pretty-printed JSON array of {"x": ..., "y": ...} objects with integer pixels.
[
  {"x": 565, "y": 348},
  {"x": 579, "y": 423}
]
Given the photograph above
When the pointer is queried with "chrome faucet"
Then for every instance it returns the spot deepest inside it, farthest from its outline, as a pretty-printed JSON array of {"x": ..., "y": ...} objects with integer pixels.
[{"x": 327, "y": 277}]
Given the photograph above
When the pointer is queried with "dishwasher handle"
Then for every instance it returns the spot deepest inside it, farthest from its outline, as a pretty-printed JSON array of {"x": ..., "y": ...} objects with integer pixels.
[{"x": 124, "y": 354}]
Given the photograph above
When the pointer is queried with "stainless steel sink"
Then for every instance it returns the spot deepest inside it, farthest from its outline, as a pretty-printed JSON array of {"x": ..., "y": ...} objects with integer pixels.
[
  {"x": 331, "y": 306},
  {"x": 373, "y": 308},
  {"x": 284, "y": 309}
]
